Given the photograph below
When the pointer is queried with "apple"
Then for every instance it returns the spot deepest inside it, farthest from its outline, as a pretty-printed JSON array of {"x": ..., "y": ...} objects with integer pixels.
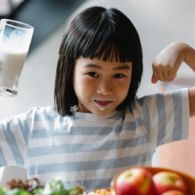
[
  {"x": 174, "y": 192},
  {"x": 167, "y": 180},
  {"x": 134, "y": 181}
]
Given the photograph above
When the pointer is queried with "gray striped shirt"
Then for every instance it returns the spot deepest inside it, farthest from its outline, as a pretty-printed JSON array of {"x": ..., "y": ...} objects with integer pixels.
[{"x": 89, "y": 150}]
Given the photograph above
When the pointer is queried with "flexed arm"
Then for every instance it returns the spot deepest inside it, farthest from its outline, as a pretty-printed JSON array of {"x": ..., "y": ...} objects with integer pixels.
[{"x": 167, "y": 63}]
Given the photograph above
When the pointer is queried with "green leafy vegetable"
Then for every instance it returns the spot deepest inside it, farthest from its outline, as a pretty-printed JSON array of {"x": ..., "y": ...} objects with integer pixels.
[{"x": 52, "y": 187}]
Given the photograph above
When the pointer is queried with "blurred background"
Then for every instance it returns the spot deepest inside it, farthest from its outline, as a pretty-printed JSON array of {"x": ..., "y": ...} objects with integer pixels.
[
  {"x": 158, "y": 23},
  {"x": 48, "y": 17}
]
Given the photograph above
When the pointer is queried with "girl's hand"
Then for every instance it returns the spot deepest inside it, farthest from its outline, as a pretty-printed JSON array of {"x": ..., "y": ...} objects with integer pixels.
[{"x": 167, "y": 63}]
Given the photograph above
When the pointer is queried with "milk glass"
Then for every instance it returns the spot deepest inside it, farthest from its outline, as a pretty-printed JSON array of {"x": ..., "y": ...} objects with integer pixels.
[{"x": 15, "y": 39}]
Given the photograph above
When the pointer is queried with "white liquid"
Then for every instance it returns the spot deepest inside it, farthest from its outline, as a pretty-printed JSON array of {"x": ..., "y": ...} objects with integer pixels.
[{"x": 11, "y": 63}]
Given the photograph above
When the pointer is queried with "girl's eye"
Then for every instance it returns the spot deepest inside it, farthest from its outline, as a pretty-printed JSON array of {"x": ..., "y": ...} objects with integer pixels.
[
  {"x": 119, "y": 76},
  {"x": 93, "y": 74}
]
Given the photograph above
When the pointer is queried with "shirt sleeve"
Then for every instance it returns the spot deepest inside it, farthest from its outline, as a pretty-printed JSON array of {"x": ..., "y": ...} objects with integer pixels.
[
  {"x": 166, "y": 116},
  {"x": 13, "y": 140}
]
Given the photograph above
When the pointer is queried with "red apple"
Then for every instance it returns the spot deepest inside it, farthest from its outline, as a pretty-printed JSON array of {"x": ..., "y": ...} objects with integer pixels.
[
  {"x": 174, "y": 192},
  {"x": 134, "y": 181},
  {"x": 166, "y": 181}
]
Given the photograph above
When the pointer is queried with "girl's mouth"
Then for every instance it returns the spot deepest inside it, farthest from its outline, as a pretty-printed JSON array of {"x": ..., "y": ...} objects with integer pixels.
[{"x": 103, "y": 104}]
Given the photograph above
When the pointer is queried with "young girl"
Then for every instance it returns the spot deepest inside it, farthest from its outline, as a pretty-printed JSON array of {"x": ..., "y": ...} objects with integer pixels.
[{"x": 98, "y": 126}]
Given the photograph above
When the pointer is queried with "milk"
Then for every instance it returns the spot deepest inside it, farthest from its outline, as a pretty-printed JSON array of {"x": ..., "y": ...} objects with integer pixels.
[
  {"x": 11, "y": 63},
  {"x": 15, "y": 39}
]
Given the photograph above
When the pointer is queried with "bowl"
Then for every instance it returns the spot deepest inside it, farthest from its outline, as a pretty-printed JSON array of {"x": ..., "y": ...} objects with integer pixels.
[{"x": 189, "y": 180}]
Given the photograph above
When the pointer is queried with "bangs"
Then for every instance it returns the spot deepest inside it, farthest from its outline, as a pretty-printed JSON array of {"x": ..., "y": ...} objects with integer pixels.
[
  {"x": 104, "y": 48},
  {"x": 104, "y": 37}
]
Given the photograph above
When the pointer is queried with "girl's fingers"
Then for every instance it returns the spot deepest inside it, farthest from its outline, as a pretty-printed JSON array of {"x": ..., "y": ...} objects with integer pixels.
[
  {"x": 159, "y": 74},
  {"x": 162, "y": 73},
  {"x": 166, "y": 74},
  {"x": 154, "y": 79}
]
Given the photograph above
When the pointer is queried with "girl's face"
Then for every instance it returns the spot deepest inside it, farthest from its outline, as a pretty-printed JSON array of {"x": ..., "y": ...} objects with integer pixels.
[{"x": 100, "y": 86}]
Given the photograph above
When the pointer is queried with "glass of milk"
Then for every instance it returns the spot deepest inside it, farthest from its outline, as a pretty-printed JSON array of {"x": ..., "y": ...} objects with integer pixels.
[{"x": 15, "y": 39}]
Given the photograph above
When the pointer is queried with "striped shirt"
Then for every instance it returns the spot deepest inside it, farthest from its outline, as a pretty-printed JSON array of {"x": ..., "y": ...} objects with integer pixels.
[{"x": 90, "y": 150}]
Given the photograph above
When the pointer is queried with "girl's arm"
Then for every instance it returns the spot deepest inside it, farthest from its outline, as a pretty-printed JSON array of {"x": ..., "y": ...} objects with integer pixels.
[{"x": 167, "y": 63}]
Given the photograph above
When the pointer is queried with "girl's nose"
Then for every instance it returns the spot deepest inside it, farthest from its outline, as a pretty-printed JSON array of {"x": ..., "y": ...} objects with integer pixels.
[{"x": 105, "y": 88}]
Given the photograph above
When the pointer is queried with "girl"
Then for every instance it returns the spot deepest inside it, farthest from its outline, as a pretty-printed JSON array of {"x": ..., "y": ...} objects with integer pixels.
[{"x": 98, "y": 126}]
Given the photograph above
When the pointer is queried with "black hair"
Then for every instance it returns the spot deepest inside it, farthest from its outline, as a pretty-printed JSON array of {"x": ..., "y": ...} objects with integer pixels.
[{"x": 97, "y": 32}]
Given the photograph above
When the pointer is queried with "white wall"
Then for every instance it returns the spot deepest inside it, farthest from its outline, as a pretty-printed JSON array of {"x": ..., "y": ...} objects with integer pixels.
[{"x": 158, "y": 23}]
